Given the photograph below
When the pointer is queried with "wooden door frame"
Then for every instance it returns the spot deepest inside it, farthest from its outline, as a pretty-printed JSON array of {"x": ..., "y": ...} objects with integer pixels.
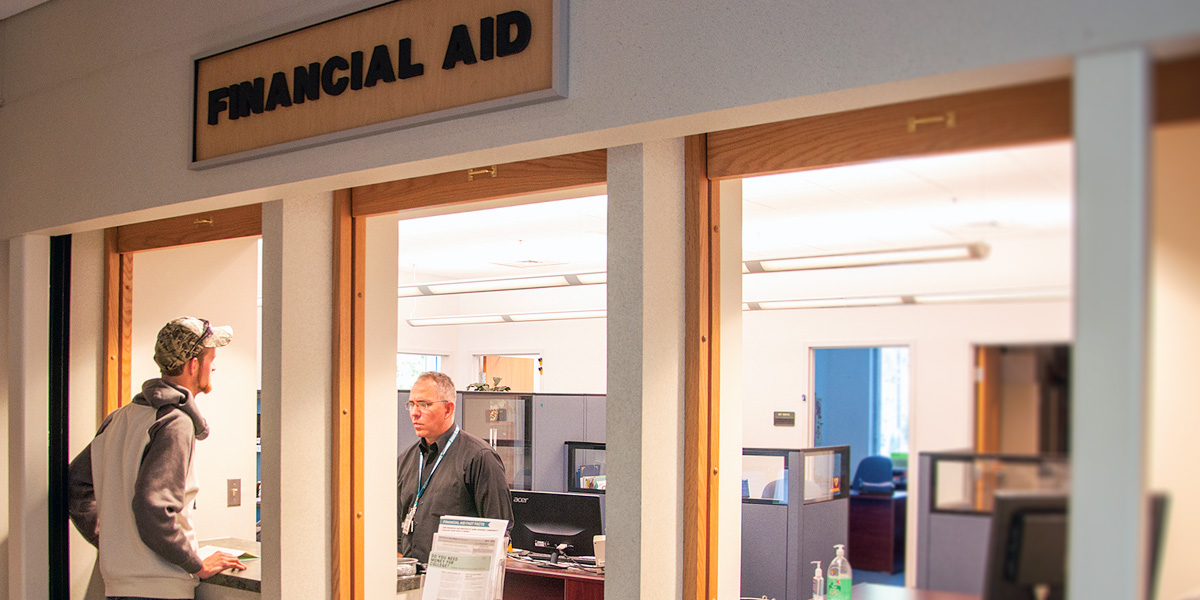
[
  {"x": 702, "y": 372},
  {"x": 352, "y": 208},
  {"x": 120, "y": 244}
]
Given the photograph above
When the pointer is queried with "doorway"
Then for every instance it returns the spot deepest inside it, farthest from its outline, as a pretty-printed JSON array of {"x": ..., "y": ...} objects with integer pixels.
[
  {"x": 1023, "y": 399},
  {"x": 860, "y": 399},
  {"x": 517, "y": 373}
]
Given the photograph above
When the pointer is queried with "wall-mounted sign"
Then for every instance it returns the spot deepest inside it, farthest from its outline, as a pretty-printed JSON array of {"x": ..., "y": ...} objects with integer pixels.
[{"x": 395, "y": 65}]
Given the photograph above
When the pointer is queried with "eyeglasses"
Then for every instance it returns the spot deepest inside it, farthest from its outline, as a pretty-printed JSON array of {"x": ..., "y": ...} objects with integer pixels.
[
  {"x": 421, "y": 404},
  {"x": 191, "y": 353}
]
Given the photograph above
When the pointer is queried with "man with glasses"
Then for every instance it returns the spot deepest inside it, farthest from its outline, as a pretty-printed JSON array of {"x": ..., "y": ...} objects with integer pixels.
[
  {"x": 132, "y": 487},
  {"x": 447, "y": 472}
]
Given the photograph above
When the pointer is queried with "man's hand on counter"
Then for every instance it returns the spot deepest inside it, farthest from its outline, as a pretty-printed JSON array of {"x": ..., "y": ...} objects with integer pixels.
[{"x": 217, "y": 562}]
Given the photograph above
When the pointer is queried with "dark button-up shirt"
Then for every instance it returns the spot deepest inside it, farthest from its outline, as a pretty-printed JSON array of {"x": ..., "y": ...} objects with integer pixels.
[{"x": 469, "y": 482}]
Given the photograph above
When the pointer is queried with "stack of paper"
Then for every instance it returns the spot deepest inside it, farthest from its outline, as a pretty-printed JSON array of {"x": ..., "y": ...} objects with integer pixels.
[
  {"x": 207, "y": 551},
  {"x": 466, "y": 561}
]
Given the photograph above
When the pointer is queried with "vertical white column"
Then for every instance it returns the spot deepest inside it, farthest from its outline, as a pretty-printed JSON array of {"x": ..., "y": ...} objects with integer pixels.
[
  {"x": 1108, "y": 409},
  {"x": 645, "y": 370},
  {"x": 297, "y": 392},
  {"x": 729, "y": 516},
  {"x": 86, "y": 395},
  {"x": 28, "y": 425},
  {"x": 380, "y": 416}
]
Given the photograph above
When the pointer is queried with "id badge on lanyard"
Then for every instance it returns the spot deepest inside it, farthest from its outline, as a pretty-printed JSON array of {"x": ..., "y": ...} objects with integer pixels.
[{"x": 410, "y": 518}]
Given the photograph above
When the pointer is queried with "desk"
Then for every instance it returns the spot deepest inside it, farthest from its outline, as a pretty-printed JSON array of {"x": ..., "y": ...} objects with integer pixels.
[
  {"x": 872, "y": 591},
  {"x": 877, "y": 531},
  {"x": 527, "y": 581}
]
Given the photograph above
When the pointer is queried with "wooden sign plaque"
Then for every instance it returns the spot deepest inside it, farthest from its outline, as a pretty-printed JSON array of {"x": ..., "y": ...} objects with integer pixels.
[{"x": 395, "y": 65}]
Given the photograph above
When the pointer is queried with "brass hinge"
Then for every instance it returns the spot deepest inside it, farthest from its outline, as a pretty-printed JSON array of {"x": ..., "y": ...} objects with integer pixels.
[
  {"x": 471, "y": 173},
  {"x": 948, "y": 119}
]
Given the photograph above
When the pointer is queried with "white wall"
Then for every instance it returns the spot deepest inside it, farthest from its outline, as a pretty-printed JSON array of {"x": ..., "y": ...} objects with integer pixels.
[
  {"x": 214, "y": 281},
  {"x": 1174, "y": 415},
  {"x": 777, "y": 365},
  {"x": 86, "y": 384},
  {"x": 112, "y": 106}
]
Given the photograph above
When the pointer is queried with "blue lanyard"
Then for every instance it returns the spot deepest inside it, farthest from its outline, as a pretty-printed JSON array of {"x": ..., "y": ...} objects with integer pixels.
[{"x": 421, "y": 467}]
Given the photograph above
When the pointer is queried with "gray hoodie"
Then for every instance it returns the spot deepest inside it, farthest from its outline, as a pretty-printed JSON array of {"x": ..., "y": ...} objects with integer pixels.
[{"x": 136, "y": 478}]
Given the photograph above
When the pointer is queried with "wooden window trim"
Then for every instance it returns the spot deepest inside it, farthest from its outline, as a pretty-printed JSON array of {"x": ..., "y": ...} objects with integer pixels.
[
  {"x": 993, "y": 118},
  {"x": 347, "y": 418},
  {"x": 702, "y": 390},
  {"x": 491, "y": 182},
  {"x": 1177, "y": 90},
  {"x": 352, "y": 208},
  {"x": 120, "y": 244},
  {"x": 1028, "y": 113}
]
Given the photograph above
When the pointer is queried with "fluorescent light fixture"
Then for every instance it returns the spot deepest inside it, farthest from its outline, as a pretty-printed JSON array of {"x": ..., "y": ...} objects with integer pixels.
[
  {"x": 826, "y": 302},
  {"x": 1028, "y": 295},
  {"x": 592, "y": 278},
  {"x": 801, "y": 263},
  {"x": 468, "y": 286},
  {"x": 508, "y": 318},
  {"x": 559, "y": 315},
  {"x": 1031, "y": 295},
  {"x": 866, "y": 259},
  {"x": 494, "y": 285},
  {"x": 461, "y": 320}
]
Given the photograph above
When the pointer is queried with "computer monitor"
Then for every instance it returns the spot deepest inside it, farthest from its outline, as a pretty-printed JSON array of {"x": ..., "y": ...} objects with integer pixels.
[
  {"x": 1029, "y": 541},
  {"x": 1028, "y": 546},
  {"x": 555, "y": 523}
]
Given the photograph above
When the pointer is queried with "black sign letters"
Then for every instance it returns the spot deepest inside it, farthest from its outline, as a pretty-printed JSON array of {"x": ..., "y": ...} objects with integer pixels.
[{"x": 503, "y": 35}]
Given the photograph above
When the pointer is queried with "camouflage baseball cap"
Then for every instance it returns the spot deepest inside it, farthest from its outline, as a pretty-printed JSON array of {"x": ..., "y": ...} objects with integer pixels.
[{"x": 184, "y": 338}]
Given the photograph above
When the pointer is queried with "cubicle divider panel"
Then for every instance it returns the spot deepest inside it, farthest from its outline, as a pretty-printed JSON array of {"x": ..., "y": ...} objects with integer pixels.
[
  {"x": 825, "y": 524},
  {"x": 557, "y": 419},
  {"x": 765, "y": 533},
  {"x": 958, "y": 551}
]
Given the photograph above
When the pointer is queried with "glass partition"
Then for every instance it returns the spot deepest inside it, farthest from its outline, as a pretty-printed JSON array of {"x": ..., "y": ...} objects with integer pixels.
[
  {"x": 825, "y": 472},
  {"x": 824, "y": 476},
  {"x": 765, "y": 475},
  {"x": 967, "y": 483},
  {"x": 586, "y": 471},
  {"x": 503, "y": 421}
]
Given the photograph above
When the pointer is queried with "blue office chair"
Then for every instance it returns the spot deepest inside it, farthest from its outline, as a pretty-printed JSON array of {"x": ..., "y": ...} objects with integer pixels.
[{"x": 874, "y": 476}]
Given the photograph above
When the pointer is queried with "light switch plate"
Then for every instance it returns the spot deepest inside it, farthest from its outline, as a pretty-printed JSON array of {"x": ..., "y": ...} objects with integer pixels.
[{"x": 233, "y": 495}]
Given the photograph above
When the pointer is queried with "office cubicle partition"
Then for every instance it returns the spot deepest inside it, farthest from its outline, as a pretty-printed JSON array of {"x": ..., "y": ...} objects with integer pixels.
[
  {"x": 795, "y": 507},
  {"x": 954, "y": 521}
]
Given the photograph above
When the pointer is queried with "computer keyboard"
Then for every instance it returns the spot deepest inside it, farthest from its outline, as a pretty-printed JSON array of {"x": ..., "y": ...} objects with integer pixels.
[{"x": 589, "y": 561}]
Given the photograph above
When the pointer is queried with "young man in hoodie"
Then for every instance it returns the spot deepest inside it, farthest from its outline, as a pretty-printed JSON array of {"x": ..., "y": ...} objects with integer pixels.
[{"x": 132, "y": 487}]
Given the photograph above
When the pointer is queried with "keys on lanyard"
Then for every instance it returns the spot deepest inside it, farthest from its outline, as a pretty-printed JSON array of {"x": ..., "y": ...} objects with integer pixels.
[{"x": 409, "y": 519}]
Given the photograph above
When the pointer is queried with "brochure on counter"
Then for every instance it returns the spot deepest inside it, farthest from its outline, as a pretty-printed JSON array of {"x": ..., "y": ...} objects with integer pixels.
[
  {"x": 466, "y": 561},
  {"x": 208, "y": 550}
]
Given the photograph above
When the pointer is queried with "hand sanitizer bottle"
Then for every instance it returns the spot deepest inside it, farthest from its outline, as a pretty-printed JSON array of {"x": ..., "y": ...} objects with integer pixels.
[
  {"x": 840, "y": 576},
  {"x": 818, "y": 583}
]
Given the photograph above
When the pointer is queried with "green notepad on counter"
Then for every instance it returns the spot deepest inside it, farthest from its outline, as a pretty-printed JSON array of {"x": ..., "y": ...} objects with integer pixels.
[{"x": 242, "y": 555}]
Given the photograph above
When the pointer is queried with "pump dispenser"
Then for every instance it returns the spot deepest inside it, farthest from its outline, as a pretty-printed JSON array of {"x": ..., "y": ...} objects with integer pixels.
[
  {"x": 818, "y": 583},
  {"x": 840, "y": 577}
]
